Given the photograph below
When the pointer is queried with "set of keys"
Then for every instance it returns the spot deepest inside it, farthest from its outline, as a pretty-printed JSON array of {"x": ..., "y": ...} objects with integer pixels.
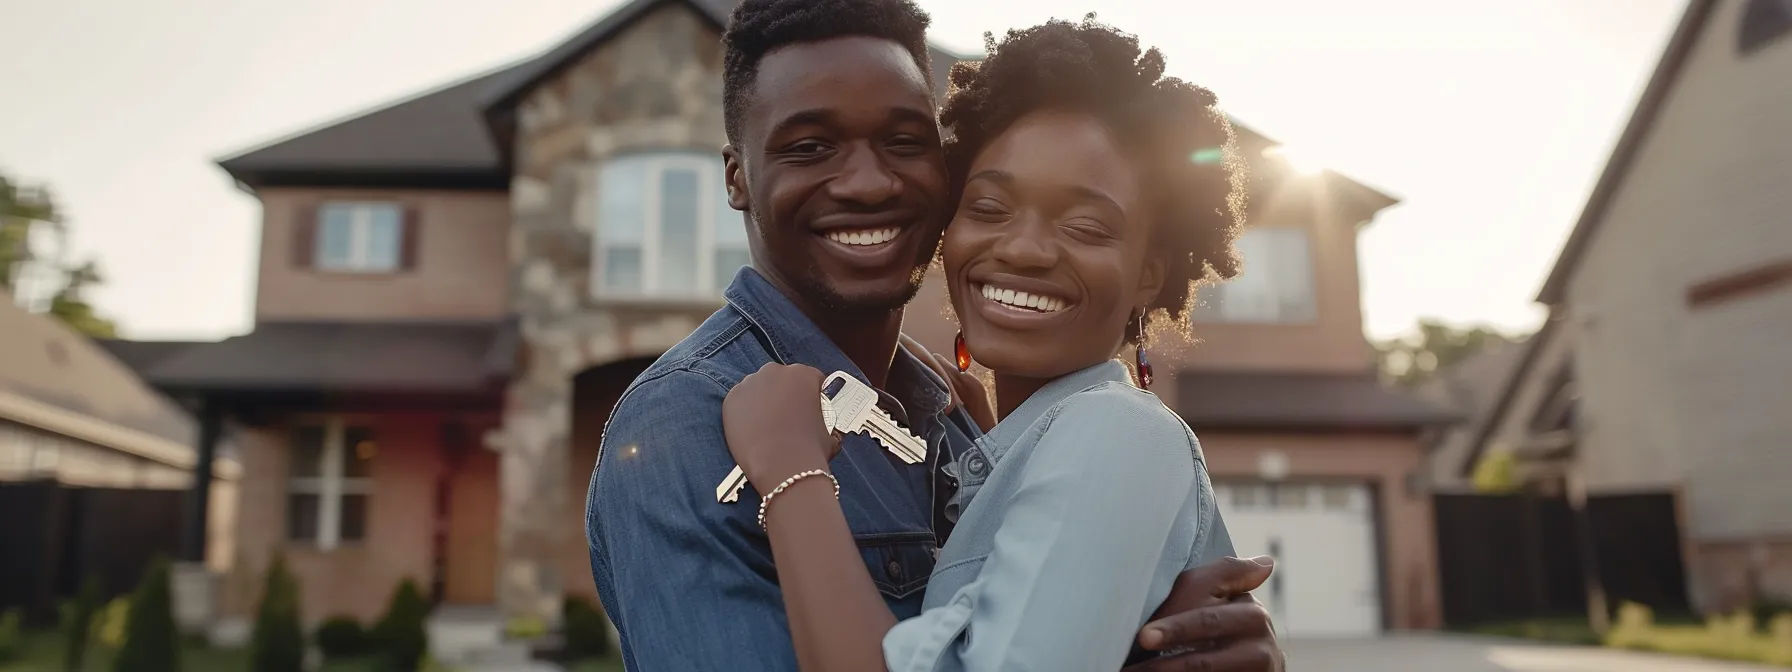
[{"x": 851, "y": 408}]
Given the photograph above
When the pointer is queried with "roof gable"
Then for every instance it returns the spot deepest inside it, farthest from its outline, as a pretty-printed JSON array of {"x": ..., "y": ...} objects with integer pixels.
[
  {"x": 1630, "y": 143},
  {"x": 436, "y": 133}
]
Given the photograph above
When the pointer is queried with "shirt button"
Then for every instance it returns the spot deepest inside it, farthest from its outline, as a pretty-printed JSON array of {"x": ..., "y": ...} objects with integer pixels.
[
  {"x": 895, "y": 570},
  {"x": 977, "y": 465}
]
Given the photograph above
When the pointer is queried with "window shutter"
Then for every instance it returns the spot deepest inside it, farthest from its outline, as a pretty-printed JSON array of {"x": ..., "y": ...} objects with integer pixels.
[
  {"x": 407, "y": 238},
  {"x": 304, "y": 239}
]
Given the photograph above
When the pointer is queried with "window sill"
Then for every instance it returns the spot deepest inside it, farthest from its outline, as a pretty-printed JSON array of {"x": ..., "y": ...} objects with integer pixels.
[
  {"x": 298, "y": 546},
  {"x": 352, "y": 273},
  {"x": 650, "y": 302},
  {"x": 1254, "y": 323}
]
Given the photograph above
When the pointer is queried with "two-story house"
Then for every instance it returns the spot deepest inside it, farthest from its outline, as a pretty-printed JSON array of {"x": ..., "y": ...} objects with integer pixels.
[
  {"x": 454, "y": 290},
  {"x": 1665, "y": 364}
]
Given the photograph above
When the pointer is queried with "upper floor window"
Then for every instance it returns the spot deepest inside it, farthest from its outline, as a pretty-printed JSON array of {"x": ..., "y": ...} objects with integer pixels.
[
  {"x": 664, "y": 228},
  {"x": 359, "y": 237},
  {"x": 1763, "y": 21},
  {"x": 1275, "y": 287},
  {"x": 329, "y": 482}
]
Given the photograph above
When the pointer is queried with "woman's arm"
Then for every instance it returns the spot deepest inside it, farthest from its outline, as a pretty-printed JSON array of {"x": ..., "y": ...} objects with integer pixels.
[
  {"x": 772, "y": 420},
  {"x": 837, "y": 617}
]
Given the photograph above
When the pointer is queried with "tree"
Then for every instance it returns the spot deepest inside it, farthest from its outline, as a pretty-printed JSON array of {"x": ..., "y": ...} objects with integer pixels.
[
  {"x": 401, "y": 633},
  {"x": 278, "y": 641},
  {"x": 151, "y": 643},
  {"x": 1433, "y": 346},
  {"x": 78, "y": 624},
  {"x": 28, "y": 272}
]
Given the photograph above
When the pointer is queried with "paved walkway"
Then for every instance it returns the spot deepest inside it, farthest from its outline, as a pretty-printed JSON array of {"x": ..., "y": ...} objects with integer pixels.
[{"x": 1447, "y": 653}]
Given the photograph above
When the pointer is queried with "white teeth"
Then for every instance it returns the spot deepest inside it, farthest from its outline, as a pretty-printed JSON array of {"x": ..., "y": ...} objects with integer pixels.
[
  {"x": 862, "y": 237},
  {"x": 1034, "y": 302}
]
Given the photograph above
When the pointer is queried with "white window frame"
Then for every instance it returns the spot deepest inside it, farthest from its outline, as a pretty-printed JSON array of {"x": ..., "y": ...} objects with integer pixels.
[
  {"x": 1214, "y": 308},
  {"x": 710, "y": 184},
  {"x": 360, "y": 244},
  {"x": 330, "y": 485}
]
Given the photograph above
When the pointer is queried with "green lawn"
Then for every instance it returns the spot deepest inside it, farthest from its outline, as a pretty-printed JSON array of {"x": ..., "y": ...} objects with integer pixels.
[{"x": 43, "y": 653}]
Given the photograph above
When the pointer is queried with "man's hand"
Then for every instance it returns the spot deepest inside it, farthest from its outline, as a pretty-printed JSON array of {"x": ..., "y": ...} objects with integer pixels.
[
  {"x": 967, "y": 391},
  {"x": 1211, "y": 614}
]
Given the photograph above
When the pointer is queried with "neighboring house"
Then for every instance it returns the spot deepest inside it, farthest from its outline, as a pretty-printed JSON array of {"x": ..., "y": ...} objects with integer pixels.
[
  {"x": 72, "y": 413},
  {"x": 1665, "y": 364},
  {"x": 455, "y": 289}
]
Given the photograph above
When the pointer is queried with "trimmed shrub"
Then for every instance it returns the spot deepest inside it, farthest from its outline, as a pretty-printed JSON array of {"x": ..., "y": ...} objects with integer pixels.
[
  {"x": 400, "y": 634},
  {"x": 77, "y": 624},
  {"x": 587, "y": 630},
  {"x": 341, "y": 637},
  {"x": 109, "y": 627},
  {"x": 12, "y": 635},
  {"x": 151, "y": 643},
  {"x": 277, "y": 643}
]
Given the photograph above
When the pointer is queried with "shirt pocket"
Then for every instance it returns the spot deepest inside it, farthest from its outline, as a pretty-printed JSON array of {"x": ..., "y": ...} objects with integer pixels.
[{"x": 899, "y": 562}]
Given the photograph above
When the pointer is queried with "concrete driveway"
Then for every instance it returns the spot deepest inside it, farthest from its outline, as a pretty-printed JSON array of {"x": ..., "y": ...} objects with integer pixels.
[{"x": 1447, "y": 653}]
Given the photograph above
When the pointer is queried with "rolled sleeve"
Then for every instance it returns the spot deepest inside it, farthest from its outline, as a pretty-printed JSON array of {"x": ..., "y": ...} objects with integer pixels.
[
  {"x": 682, "y": 576},
  {"x": 1074, "y": 563}
]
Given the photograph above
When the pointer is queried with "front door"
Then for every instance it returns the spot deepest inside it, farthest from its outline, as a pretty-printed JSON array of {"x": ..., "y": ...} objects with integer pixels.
[{"x": 473, "y": 530}]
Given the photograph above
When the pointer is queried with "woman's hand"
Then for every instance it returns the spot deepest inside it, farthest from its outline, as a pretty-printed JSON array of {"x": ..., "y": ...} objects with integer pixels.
[
  {"x": 773, "y": 423},
  {"x": 967, "y": 391}
]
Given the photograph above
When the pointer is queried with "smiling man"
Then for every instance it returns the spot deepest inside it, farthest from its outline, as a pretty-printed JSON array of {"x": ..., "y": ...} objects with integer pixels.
[{"x": 834, "y": 158}]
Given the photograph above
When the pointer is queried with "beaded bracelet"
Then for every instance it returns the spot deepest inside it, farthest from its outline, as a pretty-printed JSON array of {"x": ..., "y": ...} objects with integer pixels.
[{"x": 767, "y": 499}]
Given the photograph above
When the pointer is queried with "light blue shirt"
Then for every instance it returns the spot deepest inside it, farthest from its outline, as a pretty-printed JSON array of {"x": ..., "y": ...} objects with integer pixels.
[{"x": 1075, "y": 515}]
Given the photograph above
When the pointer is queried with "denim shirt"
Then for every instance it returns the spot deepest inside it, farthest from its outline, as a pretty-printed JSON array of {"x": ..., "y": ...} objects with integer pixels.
[
  {"x": 1074, "y": 517},
  {"x": 688, "y": 581}
]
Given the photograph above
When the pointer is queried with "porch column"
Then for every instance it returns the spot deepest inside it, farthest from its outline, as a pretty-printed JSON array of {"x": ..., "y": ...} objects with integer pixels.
[
  {"x": 195, "y": 589},
  {"x": 197, "y": 514}
]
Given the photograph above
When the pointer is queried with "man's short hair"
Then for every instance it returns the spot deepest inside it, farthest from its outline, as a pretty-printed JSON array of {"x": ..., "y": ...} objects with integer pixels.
[{"x": 759, "y": 27}]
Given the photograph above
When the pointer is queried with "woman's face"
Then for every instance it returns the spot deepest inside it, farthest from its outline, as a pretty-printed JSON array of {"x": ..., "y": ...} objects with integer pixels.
[{"x": 1046, "y": 258}]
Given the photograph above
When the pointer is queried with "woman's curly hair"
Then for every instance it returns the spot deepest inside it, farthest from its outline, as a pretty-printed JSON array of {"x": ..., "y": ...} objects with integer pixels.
[{"x": 1172, "y": 130}]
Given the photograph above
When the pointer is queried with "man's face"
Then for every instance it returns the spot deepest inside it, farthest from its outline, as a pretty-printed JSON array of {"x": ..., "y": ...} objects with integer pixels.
[{"x": 839, "y": 166}]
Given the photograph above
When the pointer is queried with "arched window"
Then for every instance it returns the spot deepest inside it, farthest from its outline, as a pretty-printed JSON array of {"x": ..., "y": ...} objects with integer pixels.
[
  {"x": 664, "y": 228},
  {"x": 1763, "y": 21}
]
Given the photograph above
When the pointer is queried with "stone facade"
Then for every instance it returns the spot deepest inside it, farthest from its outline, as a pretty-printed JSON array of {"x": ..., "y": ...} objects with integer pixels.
[{"x": 655, "y": 85}]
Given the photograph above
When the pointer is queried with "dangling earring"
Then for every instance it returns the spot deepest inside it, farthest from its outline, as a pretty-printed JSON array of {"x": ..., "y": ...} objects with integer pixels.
[
  {"x": 1144, "y": 364},
  {"x": 961, "y": 353}
]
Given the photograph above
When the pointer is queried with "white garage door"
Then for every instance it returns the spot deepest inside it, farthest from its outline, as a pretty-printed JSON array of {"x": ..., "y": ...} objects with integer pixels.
[{"x": 1323, "y": 539}]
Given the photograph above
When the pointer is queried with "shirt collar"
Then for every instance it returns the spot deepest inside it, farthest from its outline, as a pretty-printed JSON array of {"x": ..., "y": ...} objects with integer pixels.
[
  {"x": 1011, "y": 428},
  {"x": 794, "y": 339}
]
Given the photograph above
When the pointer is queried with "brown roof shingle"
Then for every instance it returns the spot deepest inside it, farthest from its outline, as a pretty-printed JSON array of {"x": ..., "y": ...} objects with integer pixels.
[
  {"x": 1299, "y": 402},
  {"x": 341, "y": 357}
]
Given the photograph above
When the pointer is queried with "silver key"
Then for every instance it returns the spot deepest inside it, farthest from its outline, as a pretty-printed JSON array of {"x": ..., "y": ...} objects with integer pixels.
[
  {"x": 729, "y": 489},
  {"x": 855, "y": 410}
]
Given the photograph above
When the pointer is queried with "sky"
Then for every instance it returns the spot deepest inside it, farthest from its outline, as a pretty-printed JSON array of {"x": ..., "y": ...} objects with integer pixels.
[{"x": 1490, "y": 120}]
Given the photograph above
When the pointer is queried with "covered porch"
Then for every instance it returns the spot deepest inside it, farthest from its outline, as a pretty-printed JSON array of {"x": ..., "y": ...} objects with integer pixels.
[{"x": 362, "y": 462}]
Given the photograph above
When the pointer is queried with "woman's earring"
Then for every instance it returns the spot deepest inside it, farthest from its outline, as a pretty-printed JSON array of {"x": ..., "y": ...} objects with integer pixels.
[
  {"x": 1144, "y": 364},
  {"x": 960, "y": 353}
]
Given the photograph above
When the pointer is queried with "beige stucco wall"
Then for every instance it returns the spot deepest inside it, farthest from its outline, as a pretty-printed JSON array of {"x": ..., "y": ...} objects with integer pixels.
[
  {"x": 1407, "y": 530},
  {"x": 1701, "y": 395},
  {"x": 1698, "y": 398},
  {"x": 461, "y": 270}
]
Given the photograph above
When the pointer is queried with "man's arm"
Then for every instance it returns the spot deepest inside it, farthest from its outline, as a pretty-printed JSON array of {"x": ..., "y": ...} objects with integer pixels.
[{"x": 688, "y": 581}]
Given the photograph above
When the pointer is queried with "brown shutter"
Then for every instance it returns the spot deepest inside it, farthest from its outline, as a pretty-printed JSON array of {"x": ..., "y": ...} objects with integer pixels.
[
  {"x": 407, "y": 239},
  {"x": 304, "y": 238}
]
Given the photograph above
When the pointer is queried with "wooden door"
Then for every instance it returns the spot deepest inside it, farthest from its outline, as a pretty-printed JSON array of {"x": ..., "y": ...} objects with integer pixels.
[{"x": 473, "y": 530}]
